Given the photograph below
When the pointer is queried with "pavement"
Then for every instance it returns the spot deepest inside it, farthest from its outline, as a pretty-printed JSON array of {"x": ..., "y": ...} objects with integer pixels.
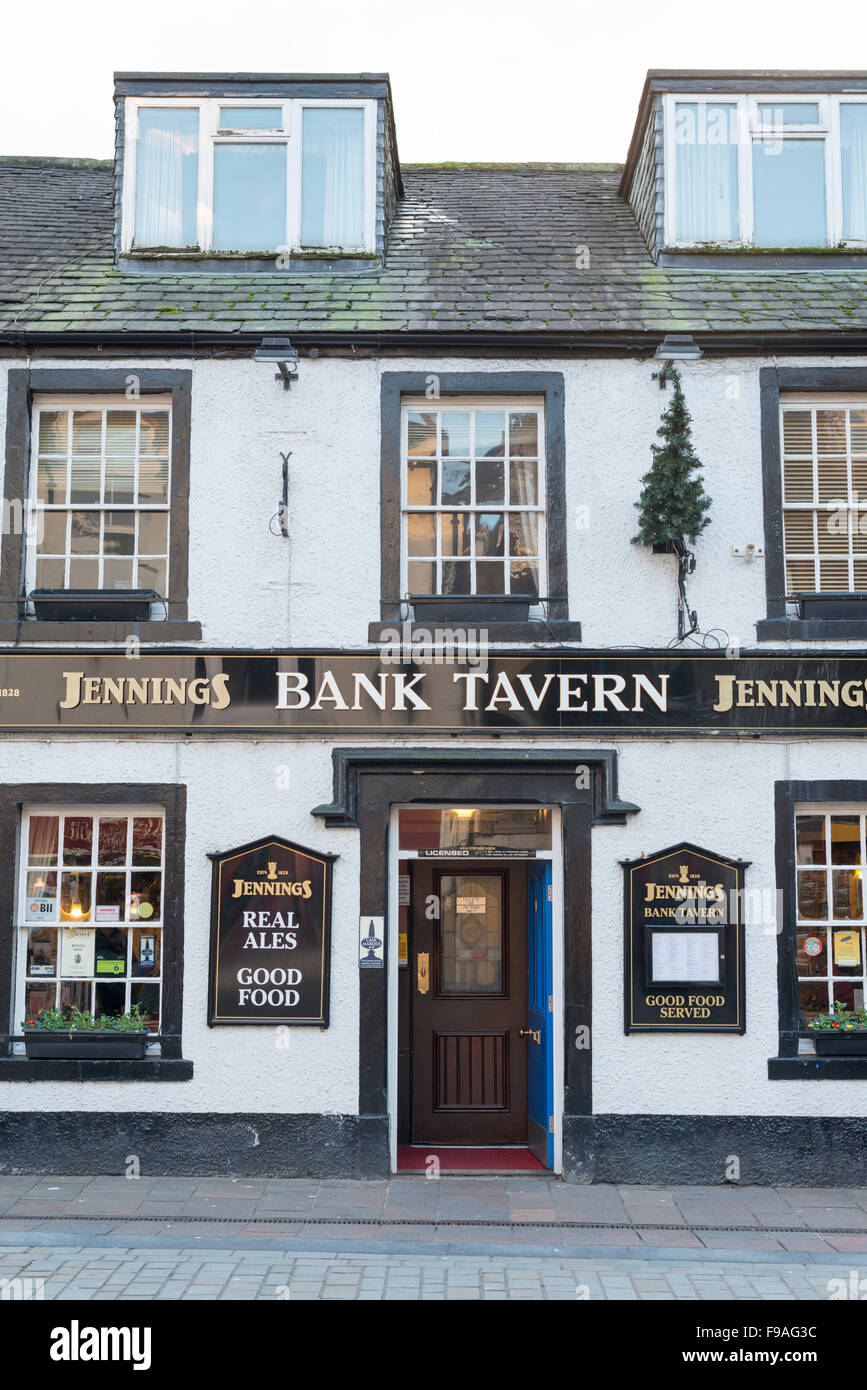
[{"x": 524, "y": 1236}]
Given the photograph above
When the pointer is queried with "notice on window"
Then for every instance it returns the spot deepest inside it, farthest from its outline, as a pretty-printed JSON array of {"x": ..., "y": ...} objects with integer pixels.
[
  {"x": 471, "y": 907},
  {"x": 847, "y": 948},
  {"x": 688, "y": 956},
  {"x": 77, "y": 951}
]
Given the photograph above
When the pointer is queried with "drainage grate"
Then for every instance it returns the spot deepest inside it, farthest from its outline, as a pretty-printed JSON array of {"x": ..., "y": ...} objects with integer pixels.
[{"x": 436, "y": 1224}]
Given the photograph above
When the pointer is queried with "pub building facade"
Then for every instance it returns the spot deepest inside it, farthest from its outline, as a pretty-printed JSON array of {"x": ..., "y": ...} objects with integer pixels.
[{"x": 348, "y": 738}]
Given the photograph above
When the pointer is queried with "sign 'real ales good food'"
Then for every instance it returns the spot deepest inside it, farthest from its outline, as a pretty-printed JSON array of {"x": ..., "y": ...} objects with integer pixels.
[
  {"x": 270, "y": 935},
  {"x": 450, "y": 688},
  {"x": 684, "y": 942}
]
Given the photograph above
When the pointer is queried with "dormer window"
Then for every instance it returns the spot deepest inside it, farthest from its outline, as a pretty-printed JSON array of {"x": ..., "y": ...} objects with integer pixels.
[
  {"x": 785, "y": 171},
  {"x": 218, "y": 176}
]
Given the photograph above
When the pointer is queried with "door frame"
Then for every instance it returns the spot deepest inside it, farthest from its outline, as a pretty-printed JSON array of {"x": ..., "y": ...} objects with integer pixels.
[{"x": 555, "y": 854}]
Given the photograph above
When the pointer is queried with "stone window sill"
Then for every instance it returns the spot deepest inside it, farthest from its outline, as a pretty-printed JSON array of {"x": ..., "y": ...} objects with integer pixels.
[
  {"x": 808, "y": 1066},
  {"x": 553, "y": 631},
  {"x": 811, "y": 629},
  {"x": 31, "y": 630},
  {"x": 100, "y": 1069}
]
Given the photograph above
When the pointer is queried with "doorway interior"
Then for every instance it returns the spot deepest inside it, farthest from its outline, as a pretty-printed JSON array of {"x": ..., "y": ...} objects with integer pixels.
[{"x": 475, "y": 1007}]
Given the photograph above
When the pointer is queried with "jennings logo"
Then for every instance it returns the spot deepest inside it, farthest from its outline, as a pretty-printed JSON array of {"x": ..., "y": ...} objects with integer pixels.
[
  {"x": 273, "y": 883},
  {"x": 77, "y": 1343}
]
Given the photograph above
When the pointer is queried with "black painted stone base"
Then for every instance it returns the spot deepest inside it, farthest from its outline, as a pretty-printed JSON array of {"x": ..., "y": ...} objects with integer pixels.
[
  {"x": 662, "y": 1150},
  {"x": 248, "y": 1146},
  {"x": 657, "y": 1150}
]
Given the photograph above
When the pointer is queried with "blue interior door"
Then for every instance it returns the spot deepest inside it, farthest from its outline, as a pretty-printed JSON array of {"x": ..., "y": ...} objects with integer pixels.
[{"x": 540, "y": 1054}]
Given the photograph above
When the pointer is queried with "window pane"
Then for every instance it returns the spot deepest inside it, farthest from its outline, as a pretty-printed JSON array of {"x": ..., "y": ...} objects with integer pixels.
[
  {"x": 84, "y": 481},
  {"x": 847, "y": 895},
  {"x": 811, "y": 839},
  {"x": 120, "y": 434},
  {"x": 153, "y": 481},
  {"x": 812, "y": 894},
  {"x": 798, "y": 431},
  {"x": 145, "y": 896},
  {"x": 490, "y": 433},
  {"x": 77, "y": 839},
  {"x": 153, "y": 533},
  {"x": 110, "y": 953},
  {"x": 146, "y": 950},
  {"x": 789, "y": 113},
  {"x": 523, "y": 533},
  {"x": 38, "y": 997},
  {"x": 456, "y": 481},
  {"x": 42, "y": 840},
  {"x": 167, "y": 174},
  {"x": 422, "y": 433},
  {"x": 332, "y": 177},
  {"x": 813, "y": 997},
  {"x": 119, "y": 481},
  {"x": 154, "y": 436},
  {"x": 853, "y": 144},
  {"x": 789, "y": 193},
  {"x": 84, "y": 574},
  {"x": 147, "y": 997},
  {"x": 490, "y": 538},
  {"x": 51, "y": 482},
  {"x": 53, "y": 540},
  {"x": 50, "y": 574},
  {"x": 706, "y": 166},
  {"x": 490, "y": 480},
  {"x": 524, "y": 434},
  {"x": 147, "y": 839},
  {"x": 117, "y": 574},
  {"x": 831, "y": 431},
  {"x": 421, "y": 535},
  {"x": 456, "y": 577},
  {"x": 421, "y": 577},
  {"x": 845, "y": 839},
  {"x": 471, "y": 934},
  {"x": 112, "y": 841},
  {"x": 152, "y": 574},
  {"x": 74, "y": 897},
  {"x": 251, "y": 118},
  {"x": 455, "y": 533},
  {"x": 119, "y": 536},
  {"x": 110, "y": 998},
  {"x": 110, "y": 890},
  {"x": 249, "y": 197},
  {"x": 524, "y": 482},
  {"x": 524, "y": 577},
  {"x": 53, "y": 426},
  {"x": 490, "y": 577},
  {"x": 86, "y": 432},
  {"x": 456, "y": 433},
  {"x": 84, "y": 534},
  {"x": 421, "y": 489},
  {"x": 42, "y": 951}
]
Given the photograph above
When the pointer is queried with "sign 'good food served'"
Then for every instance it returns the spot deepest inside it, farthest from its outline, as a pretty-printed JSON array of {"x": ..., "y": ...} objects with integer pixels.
[{"x": 270, "y": 935}]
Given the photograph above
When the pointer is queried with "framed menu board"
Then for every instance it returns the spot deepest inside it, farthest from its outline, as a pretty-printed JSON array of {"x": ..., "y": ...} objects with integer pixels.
[{"x": 684, "y": 942}]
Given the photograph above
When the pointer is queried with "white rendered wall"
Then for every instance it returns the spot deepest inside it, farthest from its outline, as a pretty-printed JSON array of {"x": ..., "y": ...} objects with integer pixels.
[{"x": 321, "y": 587}]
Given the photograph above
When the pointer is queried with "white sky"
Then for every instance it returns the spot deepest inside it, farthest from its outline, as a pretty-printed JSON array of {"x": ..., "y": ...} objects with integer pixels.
[{"x": 472, "y": 79}]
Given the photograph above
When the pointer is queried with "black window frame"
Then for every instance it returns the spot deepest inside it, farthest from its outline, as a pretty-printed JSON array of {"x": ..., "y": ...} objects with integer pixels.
[
  {"x": 780, "y": 624},
  {"x": 790, "y": 1064},
  {"x": 170, "y": 1065},
  {"x": 23, "y": 385},
  {"x": 551, "y": 387}
]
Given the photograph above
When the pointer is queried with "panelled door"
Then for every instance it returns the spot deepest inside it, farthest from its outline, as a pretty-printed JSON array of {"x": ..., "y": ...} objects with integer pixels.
[
  {"x": 540, "y": 1011},
  {"x": 469, "y": 1003}
]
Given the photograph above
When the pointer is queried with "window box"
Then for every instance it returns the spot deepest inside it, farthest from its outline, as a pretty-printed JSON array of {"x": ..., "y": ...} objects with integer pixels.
[
  {"x": 831, "y": 605},
  {"x": 94, "y": 605},
  {"x": 472, "y": 608},
  {"x": 81, "y": 1046},
  {"x": 839, "y": 1042}
]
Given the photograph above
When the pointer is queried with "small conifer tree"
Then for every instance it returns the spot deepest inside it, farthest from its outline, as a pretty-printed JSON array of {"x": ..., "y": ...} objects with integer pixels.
[{"x": 673, "y": 504}]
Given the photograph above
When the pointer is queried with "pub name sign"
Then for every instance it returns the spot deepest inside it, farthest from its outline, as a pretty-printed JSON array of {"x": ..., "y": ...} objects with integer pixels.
[
  {"x": 322, "y": 693},
  {"x": 270, "y": 935}
]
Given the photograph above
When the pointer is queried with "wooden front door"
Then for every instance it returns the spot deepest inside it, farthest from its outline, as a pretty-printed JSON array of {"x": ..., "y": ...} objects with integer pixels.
[{"x": 469, "y": 1002}]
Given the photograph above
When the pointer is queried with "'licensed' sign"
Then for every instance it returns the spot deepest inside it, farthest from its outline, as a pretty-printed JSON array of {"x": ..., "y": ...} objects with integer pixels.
[{"x": 270, "y": 935}]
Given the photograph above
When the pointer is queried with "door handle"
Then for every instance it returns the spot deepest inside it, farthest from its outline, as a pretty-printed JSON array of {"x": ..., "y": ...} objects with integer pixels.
[
  {"x": 422, "y": 969},
  {"x": 534, "y": 1033}
]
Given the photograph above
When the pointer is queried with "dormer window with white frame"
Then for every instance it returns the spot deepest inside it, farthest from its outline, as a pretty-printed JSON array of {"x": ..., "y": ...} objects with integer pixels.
[
  {"x": 222, "y": 175},
  {"x": 781, "y": 171}
]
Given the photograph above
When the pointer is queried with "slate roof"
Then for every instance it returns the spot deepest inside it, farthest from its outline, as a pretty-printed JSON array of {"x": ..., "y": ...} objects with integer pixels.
[{"x": 473, "y": 248}]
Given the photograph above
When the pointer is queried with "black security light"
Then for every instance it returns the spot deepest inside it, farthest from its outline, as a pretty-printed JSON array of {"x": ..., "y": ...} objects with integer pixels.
[
  {"x": 281, "y": 352},
  {"x": 675, "y": 347}
]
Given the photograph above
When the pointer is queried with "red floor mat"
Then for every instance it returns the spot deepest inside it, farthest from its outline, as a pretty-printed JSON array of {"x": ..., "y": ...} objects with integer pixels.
[{"x": 465, "y": 1160}]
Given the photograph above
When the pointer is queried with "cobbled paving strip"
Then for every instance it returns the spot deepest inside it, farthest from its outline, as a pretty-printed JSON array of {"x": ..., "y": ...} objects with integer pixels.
[{"x": 124, "y": 1273}]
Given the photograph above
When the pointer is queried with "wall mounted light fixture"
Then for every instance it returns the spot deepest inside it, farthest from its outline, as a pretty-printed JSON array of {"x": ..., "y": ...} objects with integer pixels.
[
  {"x": 281, "y": 352},
  {"x": 675, "y": 347}
]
